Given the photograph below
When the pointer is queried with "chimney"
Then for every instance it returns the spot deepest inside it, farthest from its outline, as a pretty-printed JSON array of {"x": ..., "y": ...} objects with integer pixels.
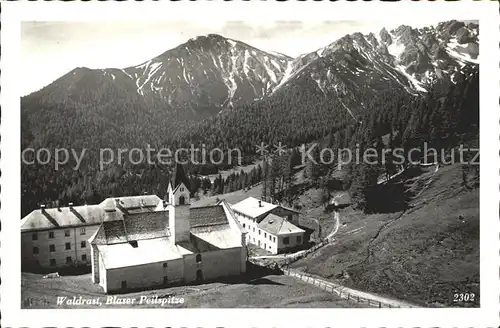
[
  {"x": 70, "y": 206},
  {"x": 260, "y": 203},
  {"x": 42, "y": 208}
]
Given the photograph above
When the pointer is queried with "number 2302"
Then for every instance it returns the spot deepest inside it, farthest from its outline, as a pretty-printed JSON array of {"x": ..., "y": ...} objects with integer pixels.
[{"x": 463, "y": 297}]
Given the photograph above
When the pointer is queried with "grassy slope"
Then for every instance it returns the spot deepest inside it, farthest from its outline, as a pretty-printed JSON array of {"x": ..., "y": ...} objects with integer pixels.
[
  {"x": 423, "y": 255},
  {"x": 237, "y": 169},
  {"x": 232, "y": 197},
  {"x": 269, "y": 291}
]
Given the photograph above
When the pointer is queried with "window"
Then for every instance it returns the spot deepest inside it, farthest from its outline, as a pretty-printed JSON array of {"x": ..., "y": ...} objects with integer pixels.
[
  {"x": 51, "y": 234},
  {"x": 286, "y": 240},
  {"x": 259, "y": 232},
  {"x": 68, "y": 246},
  {"x": 299, "y": 239},
  {"x": 84, "y": 257},
  {"x": 198, "y": 258},
  {"x": 182, "y": 188},
  {"x": 270, "y": 238},
  {"x": 35, "y": 250},
  {"x": 83, "y": 244},
  {"x": 124, "y": 284},
  {"x": 34, "y": 236},
  {"x": 82, "y": 231},
  {"x": 243, "y": 225},
  {"x": 165, "y": 280},
  {"x": 52, "y": 262},
  {"x": 165, "y": 264},
  {"x": 66, "y": 233},
  {"x": 265, "y": 235},
  {"x": 253, "y": 229},
  {"x": 52, "y": 248},
  {"x": 274, "y": 239},
  {"x": 68, "y": 260}
]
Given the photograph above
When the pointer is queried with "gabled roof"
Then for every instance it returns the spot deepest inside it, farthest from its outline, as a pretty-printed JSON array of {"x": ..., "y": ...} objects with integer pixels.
[
  {"x": 139, "y": 226},
  {"x": 51, "y": 218},
  {"x": 146, "y": 251},
  {"x": 179, "y": 177},
  {"x": 218, "y": 236},
  {"x": 132, "y": 204},
  {"x": 250, "y": 207},
  {"x": 207, "y": 215},
  {"x": 341, "y": 199},
  {"x": 276, "y": 225}
]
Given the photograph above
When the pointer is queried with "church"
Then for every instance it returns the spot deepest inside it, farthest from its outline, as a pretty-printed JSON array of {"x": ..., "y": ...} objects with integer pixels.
[{"x": 171, "y": 244}]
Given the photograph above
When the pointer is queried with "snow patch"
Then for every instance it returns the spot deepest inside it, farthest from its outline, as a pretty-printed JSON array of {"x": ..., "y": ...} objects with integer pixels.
[
  {"x": 417, "y": 85},
  {"x": 348, "y": 110},
  {"x": 396, "y": 49},
  {"x": 453, "y": 49},
  {"x": 246, "y": 69},
  {"x": 153, "y": 68},
  {"x": 275, "y": 64},
  {"x": 318, "y": 82}
]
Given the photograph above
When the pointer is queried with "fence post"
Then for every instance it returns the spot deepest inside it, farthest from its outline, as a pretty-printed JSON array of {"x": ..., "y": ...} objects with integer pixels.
[
  {"x": 348, "y": 296},
  {"x": 358, "y": 298},
  {"x": 379, "y": 304}
]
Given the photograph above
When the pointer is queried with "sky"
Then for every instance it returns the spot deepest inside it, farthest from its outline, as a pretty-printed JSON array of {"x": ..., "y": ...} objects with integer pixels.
[{"x": 51, "y": 49}]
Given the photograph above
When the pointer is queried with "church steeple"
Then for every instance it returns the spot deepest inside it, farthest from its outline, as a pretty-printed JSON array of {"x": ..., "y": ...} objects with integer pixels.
[
  {"x": 179, "y": 187},
  {"x": 179, "y": 177}
]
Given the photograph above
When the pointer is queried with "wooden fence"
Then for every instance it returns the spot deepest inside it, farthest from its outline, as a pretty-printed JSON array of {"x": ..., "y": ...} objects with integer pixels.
[{"x": 337, "y": 289}]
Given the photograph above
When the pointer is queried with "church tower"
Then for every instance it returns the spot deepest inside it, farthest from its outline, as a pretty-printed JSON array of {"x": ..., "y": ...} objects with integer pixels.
[{"x": 179, "y": 202}]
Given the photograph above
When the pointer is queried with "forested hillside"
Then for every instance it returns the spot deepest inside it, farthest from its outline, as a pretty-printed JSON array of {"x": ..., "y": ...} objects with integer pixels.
[{"x": 353, "y": 92}]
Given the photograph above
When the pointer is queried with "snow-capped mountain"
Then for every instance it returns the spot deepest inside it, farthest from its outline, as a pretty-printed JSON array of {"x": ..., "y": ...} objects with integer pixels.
[
  {"x": 210, "y": 70},
  {"x": 200, "y": 77},
  {"x": 406, "y": 57},
  {"x": 208, "y": 74}
]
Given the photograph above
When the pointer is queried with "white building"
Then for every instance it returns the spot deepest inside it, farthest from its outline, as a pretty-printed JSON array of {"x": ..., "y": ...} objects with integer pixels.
[
  {"x": 269, "y": 226},
  {"x": 175, "y": 244},
  {"x": 53, "y": 238},
  {"x": 57, "y": 237}
]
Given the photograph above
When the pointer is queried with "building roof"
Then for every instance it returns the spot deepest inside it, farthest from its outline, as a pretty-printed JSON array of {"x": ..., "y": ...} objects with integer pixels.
[
  {"x": 341, "y": 199},
  {"x": 147, "y": 251},
  {"x": 138, "y": 226},
  {"x": 220, "y": 236},
  {"x": 195, "y": 245},
  {"x": 132, "y": 204},
  {"x": 276, "y": 225},
  {"x": 51, "y": 218},
  {"x": 250, "y": 207},
  {"x": 207, "y": 215}
]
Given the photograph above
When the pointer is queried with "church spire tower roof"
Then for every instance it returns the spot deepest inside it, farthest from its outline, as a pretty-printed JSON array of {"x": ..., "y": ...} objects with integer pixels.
[{"x": 179, "y": 177}]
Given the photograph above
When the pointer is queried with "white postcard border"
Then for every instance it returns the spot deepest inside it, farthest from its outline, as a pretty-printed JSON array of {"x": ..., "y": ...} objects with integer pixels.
[{"x": 14, "y": 12}]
